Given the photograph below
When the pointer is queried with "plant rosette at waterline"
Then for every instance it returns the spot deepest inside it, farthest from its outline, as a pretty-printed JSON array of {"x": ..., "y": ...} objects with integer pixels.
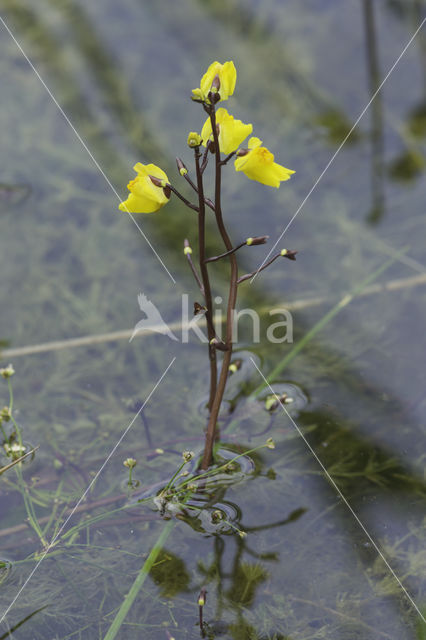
[{"x": 191, "y": 495}]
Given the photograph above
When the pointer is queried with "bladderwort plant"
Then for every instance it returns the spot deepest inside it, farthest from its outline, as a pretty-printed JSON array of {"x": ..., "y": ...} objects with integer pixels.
[{"x": 221, "y": 138}]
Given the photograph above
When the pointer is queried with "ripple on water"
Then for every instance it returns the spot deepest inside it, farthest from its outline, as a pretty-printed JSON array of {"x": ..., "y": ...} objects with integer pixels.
[
  {"x": 294, "y": 399},
  {"x": 201, "y": 510}
]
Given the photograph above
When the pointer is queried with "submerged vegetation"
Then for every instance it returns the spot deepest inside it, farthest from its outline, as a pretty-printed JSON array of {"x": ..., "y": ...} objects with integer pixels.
[{"x": 265, "y": 549}]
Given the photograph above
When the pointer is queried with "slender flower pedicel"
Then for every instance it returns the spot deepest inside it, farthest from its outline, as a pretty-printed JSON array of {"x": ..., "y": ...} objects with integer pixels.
[{"x": 151, "y": 190}]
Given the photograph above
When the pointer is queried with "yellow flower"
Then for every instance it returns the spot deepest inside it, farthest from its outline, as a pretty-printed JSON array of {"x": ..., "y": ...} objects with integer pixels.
[
  {"x": 147, "y": 190},
  {"x": 194, "y": 139},
  {"x": 257, "y": 163},
  {"x": 227, "y": 76},
  {"x": 231, "y": 132}
]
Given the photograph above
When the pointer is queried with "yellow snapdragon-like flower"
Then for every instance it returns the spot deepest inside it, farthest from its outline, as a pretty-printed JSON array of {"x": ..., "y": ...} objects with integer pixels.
[
  {"x": 257, "y": 163},
  {"x": 147, "y": 190},
  {"x": 227, "y": 75},
  {"x": 231, "y": 131}
]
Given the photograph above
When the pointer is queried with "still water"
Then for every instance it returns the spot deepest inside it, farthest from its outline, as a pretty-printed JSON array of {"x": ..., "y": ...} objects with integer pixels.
[{"x": 318, "y": 557}]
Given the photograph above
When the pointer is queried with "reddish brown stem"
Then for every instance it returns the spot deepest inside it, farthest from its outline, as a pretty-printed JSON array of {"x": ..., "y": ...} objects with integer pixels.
[
  {"x": 211, "y": 434},
  {"x": 192, "y": 266},
  {"x": 205, "y": 278}
]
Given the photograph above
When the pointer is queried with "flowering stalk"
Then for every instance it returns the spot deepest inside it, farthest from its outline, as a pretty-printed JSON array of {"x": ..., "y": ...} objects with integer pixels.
[
  {"x": 205, "y": 277},
  {"x": 151, "y": 190},
  {"x": 212, "y": 433}
]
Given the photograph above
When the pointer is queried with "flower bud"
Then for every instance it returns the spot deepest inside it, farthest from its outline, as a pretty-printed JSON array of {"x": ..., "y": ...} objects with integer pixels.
[
  {"x": 270, "y": 443},
  {"x": 199, "y": 309},
  {"x": 187, "y": 455},
  {"x": 255, "y": 241},
  {"x": 130, "y": 463},
  {"x": 194, "y": 139},
  {"x": 235, "y": 366},
  {"x": 272, "y": 402},
  {"x": 7, "y": 372},
  {"x": 5, "y": 414},
  {"x": 286, "y": 253},
  {"x": 217, "y": 516},
  {"x": 181, "y": 167},
  {"x": 202, "y": 598}
]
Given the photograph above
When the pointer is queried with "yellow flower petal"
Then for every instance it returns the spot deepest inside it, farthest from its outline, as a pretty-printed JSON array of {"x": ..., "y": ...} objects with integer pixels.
[
  {"x": 232, "y": 132},
  {"x": 198, "y": 94},
  {"x": 254, "y": 142},
  {"x": 145, "y": 196},
  {"x": 258, "y": 164},
  {"x": 227, "y": 77},
  {"x": 150, "y": 170}
]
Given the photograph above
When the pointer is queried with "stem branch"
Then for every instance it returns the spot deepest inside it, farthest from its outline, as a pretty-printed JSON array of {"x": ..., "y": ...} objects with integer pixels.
[{"x": 181, "y": 197}]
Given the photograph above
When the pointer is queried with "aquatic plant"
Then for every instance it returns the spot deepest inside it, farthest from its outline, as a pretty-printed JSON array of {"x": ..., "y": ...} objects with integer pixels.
[{"x": 151, "y": 190}]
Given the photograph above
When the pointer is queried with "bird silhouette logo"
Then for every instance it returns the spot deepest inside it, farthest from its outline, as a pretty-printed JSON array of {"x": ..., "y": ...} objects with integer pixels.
[{"x": 153, "y": 321}]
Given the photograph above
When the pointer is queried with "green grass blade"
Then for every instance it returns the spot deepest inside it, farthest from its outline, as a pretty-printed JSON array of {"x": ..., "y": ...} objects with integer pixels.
[{"x": 137, "y": 584}]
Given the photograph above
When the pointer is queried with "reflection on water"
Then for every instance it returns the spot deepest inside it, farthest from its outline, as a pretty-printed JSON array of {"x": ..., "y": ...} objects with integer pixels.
[
  {"x": 72, "y": 266},
  {"x": 376, "y": 113}
]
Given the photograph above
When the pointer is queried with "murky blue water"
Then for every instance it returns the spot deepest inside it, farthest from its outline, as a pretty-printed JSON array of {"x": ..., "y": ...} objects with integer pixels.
[{"x": 72, "y": 267}]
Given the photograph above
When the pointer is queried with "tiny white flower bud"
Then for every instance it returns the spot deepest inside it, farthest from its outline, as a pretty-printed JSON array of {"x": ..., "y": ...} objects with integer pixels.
[
  {"x": 270, "y": 443},
  {"x": 7, "y": 372}
]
